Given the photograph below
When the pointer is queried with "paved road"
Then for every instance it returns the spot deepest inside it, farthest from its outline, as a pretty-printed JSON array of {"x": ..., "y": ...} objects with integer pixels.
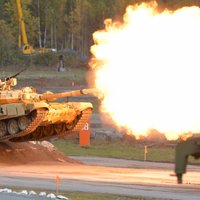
[
  {"x": 145, "y": 179},
  {"x": 113, "y": 162}
]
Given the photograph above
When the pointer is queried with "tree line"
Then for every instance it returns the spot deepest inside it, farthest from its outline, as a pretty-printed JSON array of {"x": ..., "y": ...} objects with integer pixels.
[{"x": 63, "y": 24}]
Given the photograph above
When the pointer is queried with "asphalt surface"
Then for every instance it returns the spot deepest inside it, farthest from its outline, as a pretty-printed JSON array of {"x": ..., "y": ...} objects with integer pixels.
[{"x": 139, "y": 178}]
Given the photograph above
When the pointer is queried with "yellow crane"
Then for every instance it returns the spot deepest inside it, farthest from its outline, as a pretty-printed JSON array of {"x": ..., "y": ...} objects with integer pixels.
[{"x": 22, "y": 39}]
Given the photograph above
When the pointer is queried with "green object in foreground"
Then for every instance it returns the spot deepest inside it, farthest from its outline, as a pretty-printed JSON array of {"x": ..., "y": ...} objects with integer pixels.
[{"x": 183, "y": 150}]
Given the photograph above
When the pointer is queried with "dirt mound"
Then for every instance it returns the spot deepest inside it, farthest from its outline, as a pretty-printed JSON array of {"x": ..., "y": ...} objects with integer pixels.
[{"x": 27, "y": 152}]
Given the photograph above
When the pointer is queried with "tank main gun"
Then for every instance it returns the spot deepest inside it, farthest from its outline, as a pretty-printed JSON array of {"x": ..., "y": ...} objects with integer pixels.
[
  {"x": 29, "y": 94},
  {"x": 52, "y": 96}
]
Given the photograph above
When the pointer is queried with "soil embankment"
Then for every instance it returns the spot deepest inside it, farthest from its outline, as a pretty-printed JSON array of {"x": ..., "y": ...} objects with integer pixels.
[{"x": 28, "y": 152}]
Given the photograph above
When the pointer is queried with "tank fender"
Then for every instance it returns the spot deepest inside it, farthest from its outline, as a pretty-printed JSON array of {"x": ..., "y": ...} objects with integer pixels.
[
  {"x": 81, "y": 105},
  {"x": 12, "y": 109},
  {"x": 36, "y": 105}
]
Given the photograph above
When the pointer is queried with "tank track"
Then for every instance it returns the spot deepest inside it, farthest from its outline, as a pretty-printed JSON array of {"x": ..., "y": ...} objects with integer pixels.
[
  {"x": 38, "y": 135},
  {"x": 85, "y": 116},
  {"x": 40, "y": 115}
]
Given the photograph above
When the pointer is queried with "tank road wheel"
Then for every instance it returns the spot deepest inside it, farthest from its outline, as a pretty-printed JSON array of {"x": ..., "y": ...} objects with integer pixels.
[
  {"x": 59, "y": 128},
  {"x": 28, "y": 120},
  {"x": 23, "y": 122},
  {"x": 13, "y": 127},
  {"x": 69, "y": 126},
  {"x": 3, "y": 128},
  {"x": 33, "y": 115},
  {"x": 48, "y": 130}
]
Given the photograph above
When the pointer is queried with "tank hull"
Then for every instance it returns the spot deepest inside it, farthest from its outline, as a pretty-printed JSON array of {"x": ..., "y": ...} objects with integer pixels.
[{"x": 45, "y": 120}]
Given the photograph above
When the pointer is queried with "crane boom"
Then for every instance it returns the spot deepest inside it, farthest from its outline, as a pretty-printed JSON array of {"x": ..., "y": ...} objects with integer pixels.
[
  {"x": 23, "y": 40},
  {"x": 26, "y": 48}
]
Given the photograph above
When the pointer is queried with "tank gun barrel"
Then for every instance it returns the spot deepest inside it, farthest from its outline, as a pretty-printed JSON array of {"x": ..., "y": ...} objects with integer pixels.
[
  {"x": 68, "y": 94},
  {"x": 30, "y": 96}
]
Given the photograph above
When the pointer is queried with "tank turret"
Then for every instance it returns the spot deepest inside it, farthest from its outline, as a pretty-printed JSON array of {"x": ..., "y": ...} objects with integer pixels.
[
  {"x": 26, "y": 115},
  {"x": 28, "y": 94}
]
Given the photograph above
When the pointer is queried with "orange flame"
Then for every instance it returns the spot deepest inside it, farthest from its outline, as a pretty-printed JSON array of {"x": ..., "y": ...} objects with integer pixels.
[{"x": 148, "y": 69}]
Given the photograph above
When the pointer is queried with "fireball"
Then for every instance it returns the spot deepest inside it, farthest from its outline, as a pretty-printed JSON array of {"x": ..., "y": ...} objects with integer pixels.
[{"x": 148, "y": 69}]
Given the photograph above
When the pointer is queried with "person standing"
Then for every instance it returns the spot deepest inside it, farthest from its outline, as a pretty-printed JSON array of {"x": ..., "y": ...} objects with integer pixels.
[{"x": 61, "y": 67}]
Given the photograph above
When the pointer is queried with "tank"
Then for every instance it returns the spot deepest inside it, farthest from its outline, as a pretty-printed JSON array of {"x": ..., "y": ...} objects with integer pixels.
[{"x": 26, "y": 115}]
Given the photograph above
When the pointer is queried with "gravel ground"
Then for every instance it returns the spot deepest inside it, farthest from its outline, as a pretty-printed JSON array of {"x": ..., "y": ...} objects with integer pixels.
[{"x": 8, "y": 196}]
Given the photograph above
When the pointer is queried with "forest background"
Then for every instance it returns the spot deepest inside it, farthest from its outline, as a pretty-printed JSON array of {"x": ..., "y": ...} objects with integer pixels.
[{"x": 64, "y": 25}]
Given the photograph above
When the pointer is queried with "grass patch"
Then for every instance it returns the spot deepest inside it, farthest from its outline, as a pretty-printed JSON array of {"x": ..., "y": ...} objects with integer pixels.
[
  {"x": 118, "y": 149},
  {"x": 92, "y": 196}
]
